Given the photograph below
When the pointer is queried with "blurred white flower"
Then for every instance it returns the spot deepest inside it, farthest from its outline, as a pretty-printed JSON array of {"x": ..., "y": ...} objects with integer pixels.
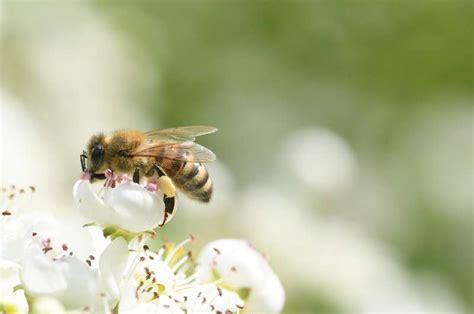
[
  {"x": 148, "y": 281},
  {"x": 11, "y": 300},
  {"x": 355, "y": 271},
  {"x": 48, "y": 305},
  {"x": 240, "y": 266},
  {"x": 128, "y": 205},
  {"x": 320, "y": 159}
]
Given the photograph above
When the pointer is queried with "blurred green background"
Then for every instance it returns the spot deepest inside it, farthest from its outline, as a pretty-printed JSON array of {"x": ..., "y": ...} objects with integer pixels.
[{"x": 387, "y": 84}]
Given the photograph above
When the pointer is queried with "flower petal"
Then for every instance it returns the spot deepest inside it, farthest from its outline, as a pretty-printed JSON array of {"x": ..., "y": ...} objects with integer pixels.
[
  {"x": 268, "y": 298},
  {"x": 89, "y": 204},
  {"x": 238, "y": 263},
  {"x": 17, "y": 234},
  {"x": 208, "y": 298},
  {"x": 112, "y": 264},
  {"x": 241, "y": 266},
  {"x": 162, "y": 305},
  {"x": 67, "y": 279},
  {"x": 135, "y": 208},
  {"x": 128, "y": 206}
]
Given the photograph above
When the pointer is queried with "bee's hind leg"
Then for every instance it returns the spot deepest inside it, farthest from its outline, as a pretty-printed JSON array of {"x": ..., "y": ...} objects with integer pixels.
[
  {"x": 169, "y": 191},
  {"x": 170, "y": 205}
]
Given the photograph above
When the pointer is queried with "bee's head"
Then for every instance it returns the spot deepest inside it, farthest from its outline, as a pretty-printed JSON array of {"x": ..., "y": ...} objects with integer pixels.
[{"x": 96, "y": 153}]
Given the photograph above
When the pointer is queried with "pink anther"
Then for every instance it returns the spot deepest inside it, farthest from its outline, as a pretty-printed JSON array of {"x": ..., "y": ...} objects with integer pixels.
[
  {"x": 85, "y": 176},
  {"x": 151, "y": 186}
]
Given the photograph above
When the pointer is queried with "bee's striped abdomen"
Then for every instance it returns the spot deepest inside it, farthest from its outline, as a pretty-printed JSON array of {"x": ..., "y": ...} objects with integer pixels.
[{"x": 193, "y": 179}]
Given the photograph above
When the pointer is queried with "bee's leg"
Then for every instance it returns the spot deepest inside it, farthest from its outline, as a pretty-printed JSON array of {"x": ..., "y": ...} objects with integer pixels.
[
  {"x": 169, "y": 191},
  {"x": 170, "y": 205},
  {"x": 97, "y": 176},
  {"x": 136, "y": 175},
  {"x": 159, "y": 171}
]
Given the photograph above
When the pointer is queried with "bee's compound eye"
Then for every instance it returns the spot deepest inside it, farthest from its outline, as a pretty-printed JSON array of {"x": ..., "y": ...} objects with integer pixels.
[{"x": 97, "y": 155}]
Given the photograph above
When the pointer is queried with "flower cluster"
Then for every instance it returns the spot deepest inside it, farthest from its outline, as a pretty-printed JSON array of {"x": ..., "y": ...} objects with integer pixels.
[{"x": 115, "y": 264}]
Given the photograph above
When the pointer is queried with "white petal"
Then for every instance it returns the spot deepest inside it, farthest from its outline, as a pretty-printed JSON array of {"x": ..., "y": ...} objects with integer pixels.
[
  {"x": 130, "y": 304},
  {"x": 268, "y": 298},
  {"x": 128, "y": 300},
  {"x": 48, "y": 305},
  {"x": 81, "y": 241},
  {"x": 67, "y": 279},
  {"x": 207, "y": 298},
  {"x": 112, "y": 264},
  {"x": 89, "y": 204},
  {"x": 129, "y": 206},
  {"x": 162, "y": 305},
  {"x": 237, "y": 262},
  {"x": 163, "y": 274},
  {"x": 99, "y": 242},
  {"x": 135, "y": 208},
  {"x": 17, "y": 232},
  {"x": 242, "y": 266}
]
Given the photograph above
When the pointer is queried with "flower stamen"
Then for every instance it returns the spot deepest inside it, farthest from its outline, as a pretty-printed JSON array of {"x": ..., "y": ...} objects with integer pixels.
[{"x": 172, "y": 253}]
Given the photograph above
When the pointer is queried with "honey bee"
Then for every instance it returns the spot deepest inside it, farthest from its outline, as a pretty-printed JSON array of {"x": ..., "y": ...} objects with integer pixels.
[{"x": 170, "y": 155}]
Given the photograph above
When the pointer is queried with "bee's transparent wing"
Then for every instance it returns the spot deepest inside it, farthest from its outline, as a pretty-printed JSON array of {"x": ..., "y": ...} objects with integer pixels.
[
  {"x": 185, "y": 133},
  {"x": 185, "y": 151},
  {"x": 177, "y": 144}
]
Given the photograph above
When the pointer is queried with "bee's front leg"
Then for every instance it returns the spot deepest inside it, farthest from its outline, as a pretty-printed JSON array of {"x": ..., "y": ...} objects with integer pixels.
[{"x": 136, "y": 176}]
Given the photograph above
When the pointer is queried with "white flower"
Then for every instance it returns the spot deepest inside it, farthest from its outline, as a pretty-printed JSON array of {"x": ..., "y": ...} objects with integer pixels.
[
  {"x": 148, "y": 281},
  {"x": 51, "y": 257},
  {"x": 47, "y": 305},
  {"x": 11, "y": 301},
  {"x": 129, "y": 206},
  {"x": 210, "y": 298},
  {"x": 64, "y": 277},
  {"x": 19, "y": 231},
  {"x": 242, "y": 267},
  {"x": 320, "y": 158}
]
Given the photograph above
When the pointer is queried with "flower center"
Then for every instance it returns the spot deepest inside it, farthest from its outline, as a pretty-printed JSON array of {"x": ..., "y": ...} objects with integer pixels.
[{"x": 162, "y": 272}]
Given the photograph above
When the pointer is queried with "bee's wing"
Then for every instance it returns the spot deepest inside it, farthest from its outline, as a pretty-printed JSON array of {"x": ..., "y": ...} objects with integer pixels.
[
  {"x": 177, "y": 144},
  {"x": 185, "y": 133},
  {"x": 185, "y": 151}
]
